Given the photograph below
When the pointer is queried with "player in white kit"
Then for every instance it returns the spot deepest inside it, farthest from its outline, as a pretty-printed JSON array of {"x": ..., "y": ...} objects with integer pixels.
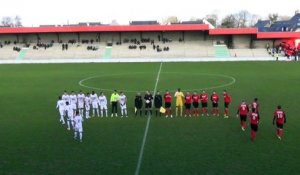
[
  {"x": 103, "y": 104},
  {"x": 70, "y": 114},
  {"x": 60, "y": 105},
  {"x": 66, "y": 96},
  {"x": 95, "y": 101},
  {"x": 122, "y": 101},
  {"x": 87, "y": 102},
  {"x": 73, "y": 101},
  {"x": 78, "y": 129},
  {"x": 80, "y": 100}
]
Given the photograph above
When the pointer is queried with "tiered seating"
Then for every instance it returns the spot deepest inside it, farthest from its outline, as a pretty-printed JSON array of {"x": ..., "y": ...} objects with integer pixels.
[{"x": 221, "y": 51}]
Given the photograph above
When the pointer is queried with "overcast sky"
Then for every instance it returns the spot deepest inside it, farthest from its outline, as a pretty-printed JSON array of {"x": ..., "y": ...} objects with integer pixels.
[{"x": 35, "y": 12}]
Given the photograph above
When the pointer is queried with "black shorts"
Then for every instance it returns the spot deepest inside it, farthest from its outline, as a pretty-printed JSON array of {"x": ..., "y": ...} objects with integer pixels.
[
  {"x": 187, "y": 106},
  {"x": 204, "y": 105},
  {"x": 279, "y": 125},
  {"x": 148, "y": 105},
  {"x": 243, "y": 117},
  {"x": 157, "y": 105},
  {"x": 167, "y": 105},
  {"x": 215, "y": 105},
  {"x": 254, "y": 127},
  {"x": 226, "y": 105},
  {"x": 196, "y": 105}
]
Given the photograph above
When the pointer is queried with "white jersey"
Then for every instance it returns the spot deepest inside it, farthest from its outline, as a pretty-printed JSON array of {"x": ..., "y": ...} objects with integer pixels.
[
  {"x": 80, "y": 99},
  {"x": 78, "y": 123},
  {"x": 87, "y": 102},
  {"x": 94, "y": 99},
  {"x": 122, "y": 101},
  {"x": 73, "y": 99},
  {"x": 61, "y": 104},
  {"x": 65, "y": 97},
  {"x": 70, "y": 112},
  {"x": 102, "y": 101}
]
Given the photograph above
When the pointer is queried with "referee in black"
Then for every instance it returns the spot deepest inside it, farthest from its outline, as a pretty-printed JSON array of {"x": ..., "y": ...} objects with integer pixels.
[
  {"x": 148, "y": 103},
  {"x": 157, "y": 103}
]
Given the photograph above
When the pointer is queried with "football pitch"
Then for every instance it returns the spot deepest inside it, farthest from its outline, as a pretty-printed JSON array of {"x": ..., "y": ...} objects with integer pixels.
[{"x": 34, "y": 142}]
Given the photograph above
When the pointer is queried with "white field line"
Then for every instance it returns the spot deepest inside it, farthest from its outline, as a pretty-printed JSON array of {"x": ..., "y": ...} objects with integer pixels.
[{"x": 138, "y": 166}]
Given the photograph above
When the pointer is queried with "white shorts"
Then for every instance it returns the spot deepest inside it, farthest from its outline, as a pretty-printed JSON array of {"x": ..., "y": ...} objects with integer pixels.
[
  {"x": 87, "y": 107},
  {"x": 74, "y": 106},
  {"x": 103, "y": 107},
  {"x": 71, "y": 118},
  {"x": 78, "y": 129},
  {"x": 95, "y": 105},
  {"x": 62, "y": 112},
  {"x": 123, "y": 106},
  {"x": 80, "y": 105}
]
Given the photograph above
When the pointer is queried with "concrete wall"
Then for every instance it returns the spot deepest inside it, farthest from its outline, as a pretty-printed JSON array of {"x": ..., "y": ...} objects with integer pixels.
[{"x": 241, "y": 41}]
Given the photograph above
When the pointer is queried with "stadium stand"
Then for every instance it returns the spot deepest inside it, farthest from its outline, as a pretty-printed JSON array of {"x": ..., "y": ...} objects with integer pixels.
[{"x": 140, "y": 39}]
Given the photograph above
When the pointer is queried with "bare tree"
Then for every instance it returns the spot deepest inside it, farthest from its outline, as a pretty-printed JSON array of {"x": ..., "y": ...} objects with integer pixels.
[
  {"x": 273, "y": 17},
  {"x": 228, "y": 21},
  {"x": 7, "y": 21},
  {"x": 170, "y": 19},
  {"x": 18, "y": 21},
  {"x": 242, "y": 19},
  {"x": 253, "y": 20},
  {"x": 212, "y": 18}
]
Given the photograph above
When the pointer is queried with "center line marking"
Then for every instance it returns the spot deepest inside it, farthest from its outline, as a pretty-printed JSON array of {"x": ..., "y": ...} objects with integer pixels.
[{"x": 138, "y": 166}]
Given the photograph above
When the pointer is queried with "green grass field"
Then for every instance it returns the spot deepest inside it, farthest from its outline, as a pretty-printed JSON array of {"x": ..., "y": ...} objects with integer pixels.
[{"x": 34, "y": 142}]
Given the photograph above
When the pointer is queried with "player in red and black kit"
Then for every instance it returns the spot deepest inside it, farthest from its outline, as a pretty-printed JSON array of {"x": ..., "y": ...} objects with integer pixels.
[
  {"x": 168, "y": 103},
  {"x": 196, "y": 99},
  {"x": 280, "y": 117},
  {"x": 255, "y": 105},
  {"x": 227, "y": 101},
  {"x": 254, "y": 119},
  {"x": 188, "y": 103},
  {"x": 215, "y": 103},
  {"x": 204, "y": 99},
  {"x": 242, "y": 111}
]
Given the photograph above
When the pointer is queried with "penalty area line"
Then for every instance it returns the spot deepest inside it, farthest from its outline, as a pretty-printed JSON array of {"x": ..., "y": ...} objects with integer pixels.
[{"x": 138, "y": 166}]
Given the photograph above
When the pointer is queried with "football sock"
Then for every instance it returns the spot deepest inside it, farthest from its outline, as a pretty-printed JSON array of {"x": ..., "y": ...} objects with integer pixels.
[
  {"x": 94, "y": 112},
  {"x": 87, "y": 114},
  {"x": 122, "y": 111},
  {"x": 101, "y": 113},
  {"x": 125, "y": 111},
  {"x": 68, "y": 122},
  {"x": 80, "y": 135},
  {"x": 181, "y": 108},
  {"x": 106, "y": 113},
  {"x": 62, "y": 119},
  {"x": 75, "y": 135},
  {"x": 177, "y": 110},
  {"x": 97, "y": 112}
]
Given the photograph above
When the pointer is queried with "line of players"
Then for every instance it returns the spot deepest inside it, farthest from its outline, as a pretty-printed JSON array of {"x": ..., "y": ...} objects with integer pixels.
[{"x": 87, "y": 101}]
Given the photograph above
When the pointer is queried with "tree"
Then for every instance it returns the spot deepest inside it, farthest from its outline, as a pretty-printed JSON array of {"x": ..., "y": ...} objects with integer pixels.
[
  {"x": 7, "y": 21},
  {"x": 228, "y": 21},
  {"x": 212, "y": 18},
  {"x": 242, "y": 19},
  {"x": 18, "y": 21},
  {"x": 170, "y": 19},
  {"x": 273, "y": 17},
  {"x": 253, "y": 20}
]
